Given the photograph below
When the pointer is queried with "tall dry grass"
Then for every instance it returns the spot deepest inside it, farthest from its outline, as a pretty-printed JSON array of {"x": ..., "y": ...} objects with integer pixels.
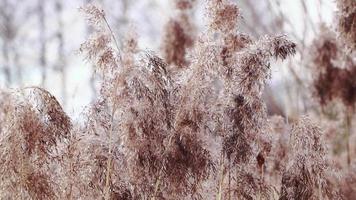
[{"x": 191, "y": 125}]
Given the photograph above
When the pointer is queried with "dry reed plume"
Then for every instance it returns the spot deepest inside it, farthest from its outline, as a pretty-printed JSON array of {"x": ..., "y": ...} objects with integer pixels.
[{"x": 190, "y": 125}]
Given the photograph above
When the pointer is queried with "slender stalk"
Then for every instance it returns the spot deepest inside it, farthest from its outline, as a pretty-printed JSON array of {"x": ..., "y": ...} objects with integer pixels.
[
  {"x": 158, "y": 182},
  {"x": 220, "y": 190},
  {"x": 108, "y": 166},
  {"x": 70, "y": 169},
  {"x": 262, "y": 179},
  {"x": 113, "y": 36},
  {"x": 229, "y": 178},
  {"x": 319, "y": 189},
  {"x": 22, "y": 178},
  {"x": 348, "y": 133}
]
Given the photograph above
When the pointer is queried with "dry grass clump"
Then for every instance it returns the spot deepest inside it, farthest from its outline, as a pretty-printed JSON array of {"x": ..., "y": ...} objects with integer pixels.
[
  {"x": 225, "y": 95},
  {"x": 307, "y": 174},
  {"x": 224, "y": 15},
  {"x": 184, "y": 4},
  {"x": 138, "y": 98},
  {"x": 335, "y": 71},
  {"x": 153, "y": 133},
  {"x": 347, "y": 22},
  {"x": 178, "y": 36},
  {"x": 162, "y": 129},
  {"x": 34, "y": 124},
  {"x": 276, "y": 160}
]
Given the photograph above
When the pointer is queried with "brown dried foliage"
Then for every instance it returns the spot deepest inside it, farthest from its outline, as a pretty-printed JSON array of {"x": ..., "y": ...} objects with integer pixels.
[
  {"x": 35, "y": 124},
  {"x": 347, "y": 22},
  {"x": 179, "y": 35},
  {"x": 184, "y": 4},
  {"x": 176, "y": 42},
  {"x": 154, "y": 135},
  {"x": 224, "y": 15},
  {"x": 334, "y": 78},
  {"x": 309, "y": 172}
]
